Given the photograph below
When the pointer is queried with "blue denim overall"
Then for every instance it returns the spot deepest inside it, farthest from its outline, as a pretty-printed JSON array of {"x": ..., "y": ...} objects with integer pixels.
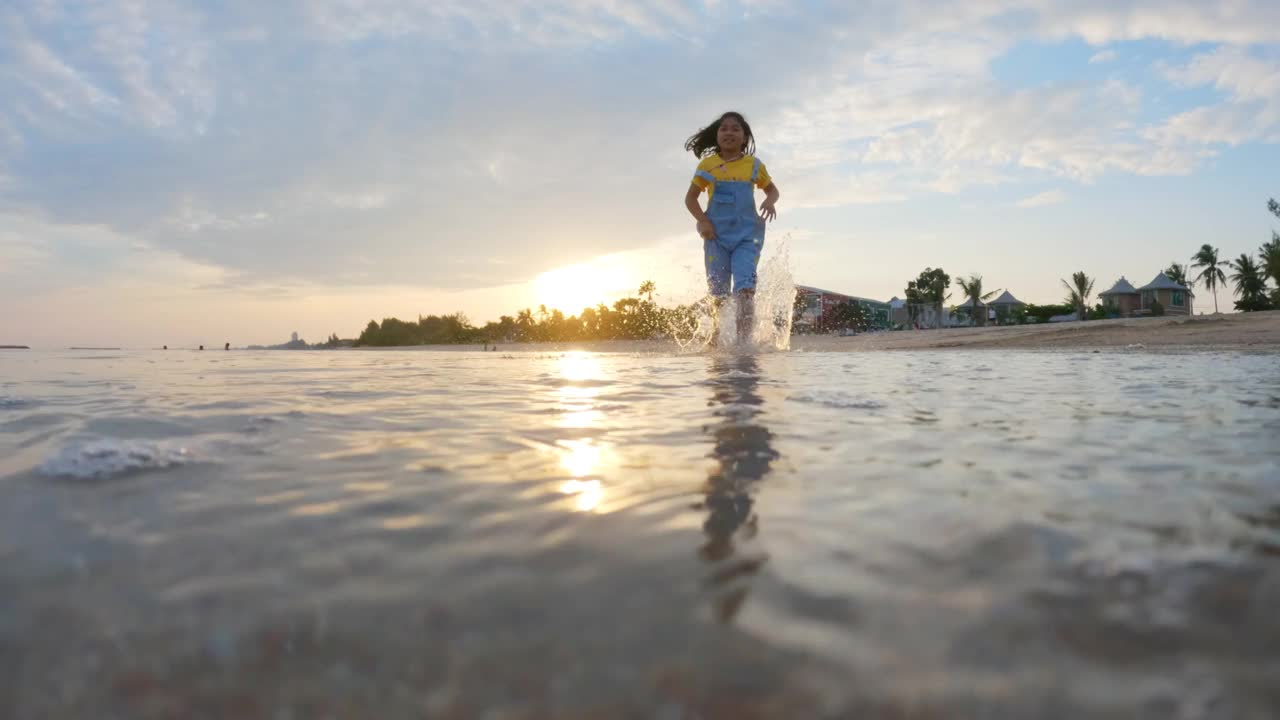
[{"x": 735, "y": 252}]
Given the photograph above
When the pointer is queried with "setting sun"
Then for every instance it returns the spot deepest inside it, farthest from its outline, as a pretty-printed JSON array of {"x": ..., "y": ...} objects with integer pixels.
[{"x": 574, "y": 287}]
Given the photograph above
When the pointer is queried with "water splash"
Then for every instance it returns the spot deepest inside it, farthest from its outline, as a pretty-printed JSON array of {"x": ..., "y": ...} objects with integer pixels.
[
  {"x": 775, "y": 299},
  {"x": 709, "y": 324}
]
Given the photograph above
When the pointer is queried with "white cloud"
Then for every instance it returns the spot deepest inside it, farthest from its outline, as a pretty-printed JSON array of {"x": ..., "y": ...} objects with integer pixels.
[
  {"x": 1100, "y": 22},
  {"x": 1049, "y": 197},
  {"x": 1234, "y": 70},
  {"x": 48, "y": 78},
  {"x": 1251, "y": 111},
  {"x": 1104, "y": 56},
  {"x": 482, "y": 21},
  {"x": 343, "y": 139}
]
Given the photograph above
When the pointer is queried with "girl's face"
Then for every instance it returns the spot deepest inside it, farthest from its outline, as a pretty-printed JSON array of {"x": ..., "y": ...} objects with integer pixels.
[{"x": 730, "y": 137}]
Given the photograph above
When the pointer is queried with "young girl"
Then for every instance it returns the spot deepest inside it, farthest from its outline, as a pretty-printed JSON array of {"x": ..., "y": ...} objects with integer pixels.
[{"x": 731, "y": 230}]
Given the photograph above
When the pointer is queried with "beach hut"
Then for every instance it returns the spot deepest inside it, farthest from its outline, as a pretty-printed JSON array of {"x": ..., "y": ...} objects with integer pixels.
[
  {"x": 1005, "y": 306},
  {"x": 975, "y": 310},
  {"x": 1122, "y": 299},
  {"x": 1175, "y": 298},
  {"x": 899, "y": 316}
]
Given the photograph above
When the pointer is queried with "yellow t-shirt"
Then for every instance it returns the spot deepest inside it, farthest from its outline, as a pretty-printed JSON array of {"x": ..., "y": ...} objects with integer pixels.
[{"x": 712, "y": 170}]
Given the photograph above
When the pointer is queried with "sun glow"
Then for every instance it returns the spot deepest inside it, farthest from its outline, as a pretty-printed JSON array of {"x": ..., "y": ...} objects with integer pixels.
[{"x": 571, "y": 288}]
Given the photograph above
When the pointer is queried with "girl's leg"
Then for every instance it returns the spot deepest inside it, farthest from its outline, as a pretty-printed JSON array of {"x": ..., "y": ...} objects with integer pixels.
[
  {"x": 746, "y": 313},
  {"x": 719, "y": 264},
  {"x": 746, "y": 257}
]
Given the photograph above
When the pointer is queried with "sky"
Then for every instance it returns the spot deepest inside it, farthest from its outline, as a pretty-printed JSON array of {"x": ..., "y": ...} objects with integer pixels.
[{"x": 188, "y": 173}]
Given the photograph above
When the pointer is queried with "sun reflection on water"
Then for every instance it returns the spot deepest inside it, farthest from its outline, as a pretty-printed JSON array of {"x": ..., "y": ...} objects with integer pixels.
[
  {"x": 586, "y": 494},
  {"x": 579, "y": 457},
  {"x": 582, "y": 458},
  {"x": 578, "y": 366}
]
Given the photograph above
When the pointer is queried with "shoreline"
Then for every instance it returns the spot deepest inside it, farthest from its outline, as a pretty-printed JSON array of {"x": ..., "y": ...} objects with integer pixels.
[{"x": 1252, "y": 332}]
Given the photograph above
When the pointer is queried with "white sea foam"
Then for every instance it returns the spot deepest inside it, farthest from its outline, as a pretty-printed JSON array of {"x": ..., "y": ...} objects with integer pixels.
[
  {"x": 105, "y": 458},
  {"x": 840, "y": 400},
  {"x": 8, "y": 402}
]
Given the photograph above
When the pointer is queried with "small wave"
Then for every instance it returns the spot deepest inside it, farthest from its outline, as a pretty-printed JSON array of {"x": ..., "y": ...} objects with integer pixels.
[
  {"x": 839, "y": 400},
  {"x": 13, "y": 403},
  {"x": 106, "y": 458}
]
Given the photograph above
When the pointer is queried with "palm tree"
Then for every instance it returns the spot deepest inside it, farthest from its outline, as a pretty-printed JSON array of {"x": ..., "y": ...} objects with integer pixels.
[
  {"x": 938, "y": 292},
  {"x": 1177, "y": 272},
  {"x": 1211, "y": 276},
  {"x": 1251, "y": 285},
  {"x": 1269, "y": 256},
  {"x": 1080, "y": 288},
  {"x": 525, "y": 324},
  {"x": 647, "y": 289},
  {"x": 972, "y": 287}
]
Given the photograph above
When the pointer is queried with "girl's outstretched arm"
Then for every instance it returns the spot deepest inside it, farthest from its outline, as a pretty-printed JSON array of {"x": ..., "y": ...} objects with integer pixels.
[
  {"x": 770, "y": 199},
  {"x": 705, "y": 228}
]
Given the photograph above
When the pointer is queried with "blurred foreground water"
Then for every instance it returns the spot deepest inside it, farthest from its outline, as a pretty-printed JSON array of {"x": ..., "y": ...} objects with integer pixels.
[{"x": 578, "y": 535}]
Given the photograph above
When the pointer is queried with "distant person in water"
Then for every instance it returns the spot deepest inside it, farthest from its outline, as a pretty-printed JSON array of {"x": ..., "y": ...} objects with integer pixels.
[
  {"x": 732, "y": 230},
  {"x": 227, "y": 346}
]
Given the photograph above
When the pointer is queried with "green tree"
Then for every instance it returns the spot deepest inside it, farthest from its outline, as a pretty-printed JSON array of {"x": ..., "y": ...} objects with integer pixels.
[
  {"x": 369, "y": 335},
  {"x": 1269, "y": 260},
  {"x": 630, "y": 318},
  {"x": 1250, "y": 284},
  {"x": 1211, "y": 275},
  {"x": 395, "y": 331},
  {"x": 972, "y": 287},
  {"x": 914, "y": 300},
  {"x": 1079, "y": 289},
  {"x": 1177, "y": 272},
  {"x": 525, "y": 325},
  {"x": 1042, "y": 313},
  {"x": 931, "y": 288},
  {"x": 1269, "y": 256}
]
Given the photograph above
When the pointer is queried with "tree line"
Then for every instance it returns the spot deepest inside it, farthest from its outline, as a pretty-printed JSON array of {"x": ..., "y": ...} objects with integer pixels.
[
  {"x": 636, "y": 317},
  {"x": 1250, "y": 276},
  {"x": 1249, "y": 283},
  {"x": 639, "y": 317}
]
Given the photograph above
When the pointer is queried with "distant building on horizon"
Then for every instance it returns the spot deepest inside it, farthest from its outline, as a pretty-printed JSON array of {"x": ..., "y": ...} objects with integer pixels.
[
  {"x": 1174, "y": 296},
  {"x": 1005, "y": 307},
  {"x": 816, "y": 303},
  {"x": 1121, "y": 299},
  {"x": 1124, "y": 300}
]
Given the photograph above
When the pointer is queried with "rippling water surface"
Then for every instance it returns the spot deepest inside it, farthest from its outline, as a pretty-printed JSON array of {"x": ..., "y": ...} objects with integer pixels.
[{"x": 450, "y": 534}]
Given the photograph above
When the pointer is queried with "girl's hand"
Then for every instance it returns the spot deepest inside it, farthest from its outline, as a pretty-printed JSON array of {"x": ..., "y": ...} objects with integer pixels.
[
  {"x": 766, "y": 210},
  {"x": 706, "y": 229}
]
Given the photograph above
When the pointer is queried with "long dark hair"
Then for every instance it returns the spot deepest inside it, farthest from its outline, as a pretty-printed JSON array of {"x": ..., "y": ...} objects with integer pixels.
[{"x": 703, "y": 142}]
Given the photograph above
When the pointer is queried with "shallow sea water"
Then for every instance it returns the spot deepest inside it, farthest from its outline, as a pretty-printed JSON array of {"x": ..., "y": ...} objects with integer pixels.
[{"x": 592, "y": 535}]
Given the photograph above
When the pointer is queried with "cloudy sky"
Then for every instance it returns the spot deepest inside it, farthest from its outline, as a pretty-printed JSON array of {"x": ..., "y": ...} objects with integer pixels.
[{"x": 182, "y": 172}]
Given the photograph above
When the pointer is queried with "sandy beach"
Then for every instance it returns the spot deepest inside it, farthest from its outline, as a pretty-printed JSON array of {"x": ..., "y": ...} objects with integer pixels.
[
  {"x": 1258, "y": 331},
  {"x": 1252, "y": 331}
]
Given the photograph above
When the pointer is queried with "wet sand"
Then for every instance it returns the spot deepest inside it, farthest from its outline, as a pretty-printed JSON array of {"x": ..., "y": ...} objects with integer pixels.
[{"x": 1236, "y": 331}]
